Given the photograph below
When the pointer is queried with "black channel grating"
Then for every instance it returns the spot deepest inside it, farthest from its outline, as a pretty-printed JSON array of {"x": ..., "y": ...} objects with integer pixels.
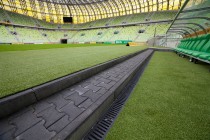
[{"x": 99, "y": 131}]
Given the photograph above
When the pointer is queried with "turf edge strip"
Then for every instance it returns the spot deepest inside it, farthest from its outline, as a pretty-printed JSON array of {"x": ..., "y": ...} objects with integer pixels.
[
  {"x": 15, "y": 102},
  {"x": 102, "y": 127}
]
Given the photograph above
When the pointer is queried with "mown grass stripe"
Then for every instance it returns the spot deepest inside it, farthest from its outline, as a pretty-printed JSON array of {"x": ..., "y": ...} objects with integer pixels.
[
  {"x": 25, "y": 47},
  {"x": 24, "y": 69}
]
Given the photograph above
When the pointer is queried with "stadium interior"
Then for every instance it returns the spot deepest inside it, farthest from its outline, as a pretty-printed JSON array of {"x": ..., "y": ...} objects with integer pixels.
[{"x": 104, "y": 69}]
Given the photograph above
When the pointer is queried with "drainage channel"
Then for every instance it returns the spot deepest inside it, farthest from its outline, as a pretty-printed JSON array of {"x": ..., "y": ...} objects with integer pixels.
[{"x": 101, "y": 128}]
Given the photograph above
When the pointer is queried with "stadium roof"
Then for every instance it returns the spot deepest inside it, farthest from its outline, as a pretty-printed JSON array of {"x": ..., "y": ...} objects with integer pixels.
[
  {"x": 73, "y": 2},
  {"x": 86, "y": 10},
  {"x": 194, "y": 16}
]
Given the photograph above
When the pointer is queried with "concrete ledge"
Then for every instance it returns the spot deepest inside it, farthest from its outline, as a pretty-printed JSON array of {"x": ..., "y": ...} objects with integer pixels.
[
  {"x": 126, "y": 80},
  {"x": 54, "y": 86},
  {"x": 87, "y": 119},
  {"x": 80, "y": 127},
  {"x": 161, "y": 49},
  {"x": 14, "y": 103}
]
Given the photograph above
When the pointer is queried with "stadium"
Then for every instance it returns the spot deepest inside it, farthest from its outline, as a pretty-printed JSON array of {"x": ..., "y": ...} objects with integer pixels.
[{"x": 104, "y": 69}]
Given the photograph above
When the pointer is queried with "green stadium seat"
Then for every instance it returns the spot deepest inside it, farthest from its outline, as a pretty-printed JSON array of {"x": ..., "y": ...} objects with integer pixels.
[
  {"x": 202, "y": 46},
  {"x": 199, "y": 44},
  {"x": 205, "y": 52},
  {"x": 197, "y": 47},
  {"x": 190, "y": 46}
]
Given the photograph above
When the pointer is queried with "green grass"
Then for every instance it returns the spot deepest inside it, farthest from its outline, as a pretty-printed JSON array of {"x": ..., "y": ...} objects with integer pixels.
[
  {"x": 171, "y": 101},
  {"x": 21, "y": 47},
  {"x": 24, "y": 69}
]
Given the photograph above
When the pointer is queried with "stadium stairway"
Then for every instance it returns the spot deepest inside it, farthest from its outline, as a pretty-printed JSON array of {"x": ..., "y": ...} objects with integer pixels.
[{"x": 70, "y": 113}]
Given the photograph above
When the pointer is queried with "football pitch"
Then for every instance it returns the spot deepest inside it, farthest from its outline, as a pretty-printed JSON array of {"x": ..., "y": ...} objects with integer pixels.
[
  {"x": 25, "y": 66},
  {"x": 170, "y": 101}
]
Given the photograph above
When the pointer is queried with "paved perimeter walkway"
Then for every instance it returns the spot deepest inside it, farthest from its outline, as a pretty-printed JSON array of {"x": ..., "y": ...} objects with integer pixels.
[{"x": 53, "y": 117}]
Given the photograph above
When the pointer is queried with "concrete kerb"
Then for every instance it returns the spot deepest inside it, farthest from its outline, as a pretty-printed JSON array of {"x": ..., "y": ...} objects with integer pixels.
[
  {"x": 129, "y": 77},
  {"x": 161, "y": 49},
  {"x": 103, "y": 104},
  {"x": 15, "y": 102},
  {"x": 140, "y": 70}
]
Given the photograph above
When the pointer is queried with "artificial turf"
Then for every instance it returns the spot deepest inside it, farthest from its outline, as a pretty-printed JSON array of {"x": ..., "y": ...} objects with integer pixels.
[
  {"x": 171, "y": 101},
  {"x": 25, "y": 47},
  {"x": 24, "y": 69}
]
